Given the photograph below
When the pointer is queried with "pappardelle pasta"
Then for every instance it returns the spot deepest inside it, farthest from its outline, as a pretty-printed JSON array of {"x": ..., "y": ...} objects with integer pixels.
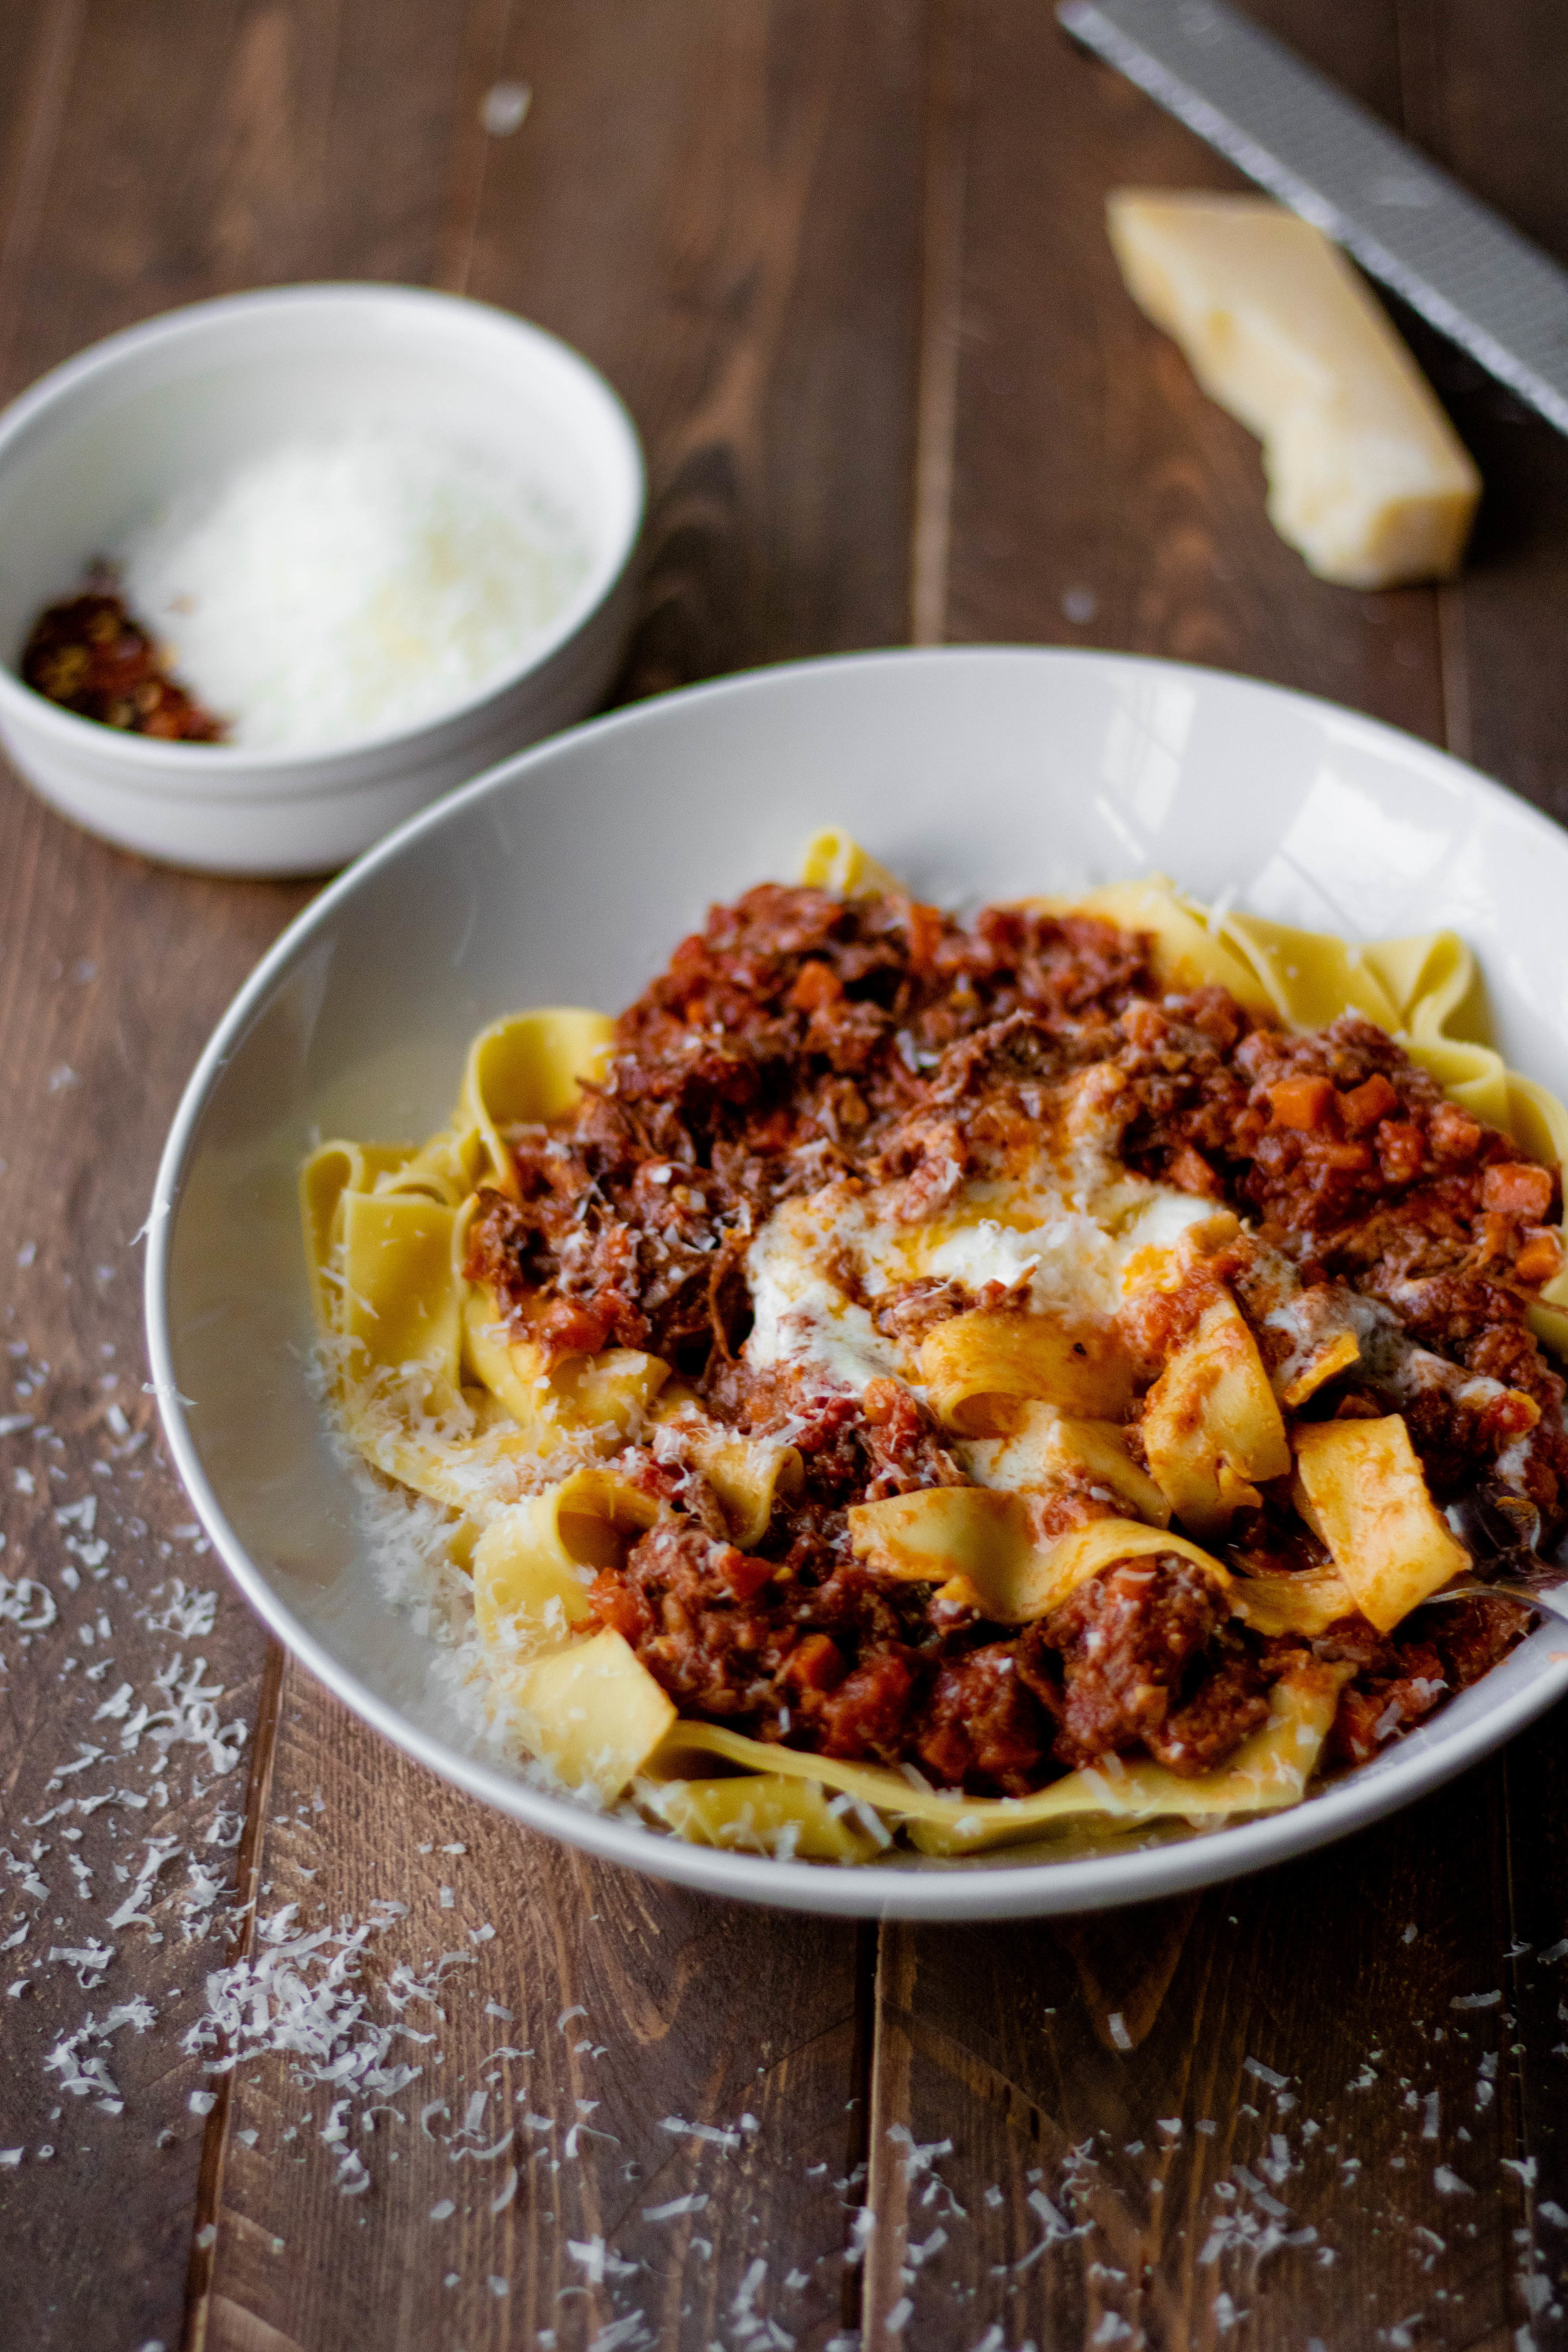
[{"x": 904, "y": 1381}]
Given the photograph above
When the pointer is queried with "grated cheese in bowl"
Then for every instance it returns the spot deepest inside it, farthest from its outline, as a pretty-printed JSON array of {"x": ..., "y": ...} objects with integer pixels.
[{"x": 352, "y": 586}]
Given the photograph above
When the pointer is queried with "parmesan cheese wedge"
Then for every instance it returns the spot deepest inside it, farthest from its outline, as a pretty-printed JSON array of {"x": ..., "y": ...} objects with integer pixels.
[{"x": 1366, "y": 476}]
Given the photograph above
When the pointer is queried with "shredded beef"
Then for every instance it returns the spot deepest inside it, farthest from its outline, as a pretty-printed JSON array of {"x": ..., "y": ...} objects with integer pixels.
[
  {"x": 1141, "y": 1665},
  {"x": 984, "y": 1727},
  {"x": 682, "y": 1603},
  {"x": 1437, "y": 1653}
]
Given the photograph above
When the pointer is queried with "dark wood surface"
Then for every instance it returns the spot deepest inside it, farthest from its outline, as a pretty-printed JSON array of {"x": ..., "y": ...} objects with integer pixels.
[{"x": 846, "y": 265}]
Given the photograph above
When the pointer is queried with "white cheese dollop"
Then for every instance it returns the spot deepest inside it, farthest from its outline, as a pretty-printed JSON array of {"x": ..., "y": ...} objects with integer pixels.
[{"x": 815, "y": 1262}]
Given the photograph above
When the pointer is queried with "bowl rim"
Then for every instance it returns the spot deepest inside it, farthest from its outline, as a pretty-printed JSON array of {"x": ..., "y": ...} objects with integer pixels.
[
  {"x": 144, "y": 759},
  {"x": 970, "y": 1890}
]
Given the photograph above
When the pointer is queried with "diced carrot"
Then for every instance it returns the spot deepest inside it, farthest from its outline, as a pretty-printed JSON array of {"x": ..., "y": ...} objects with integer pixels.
[
  {"x": 1540, "y": 1259},
  {"x": 1401, "y": 1147},
  {"x": 1353, "y": 1157},
  {"x": 745, "y": 1574},
  {"x": 1518, "y": 1188},
  {"x": 1364, "y": 1104},
  {"x": 924, "y": 926},
  {"x": 616, "y": 1606},
  {"x": 1302, "y": 1102},
  {"x": 815, "y": 1663},
  {"x": 817, "y": 984}
]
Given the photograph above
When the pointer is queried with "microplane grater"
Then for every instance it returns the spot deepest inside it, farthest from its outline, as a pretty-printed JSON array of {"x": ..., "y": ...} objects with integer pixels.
[{"x": 1286, "y": 126}]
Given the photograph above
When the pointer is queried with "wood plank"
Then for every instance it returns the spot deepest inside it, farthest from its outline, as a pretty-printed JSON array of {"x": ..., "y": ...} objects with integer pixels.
[
  {"x": 742, "y": 275},
  {"x": 114, "y": 973},
  {"x": 213, "y": 144},
  {"x": 1483, "y": 85},
  {"x": 746, "y": 275},
  {"x": 646, "y": 2005},
  {"x": 38, "y": 52},
  {"x": 1099, "y": 498},
  {"x": 1534, "y": 2050},
  {"x": 1052, "y": 2082},
  {"x": 96, "y": 1036},
  {"x": 1146, "y": 2109},
  {"x": 148, "y": 154}
]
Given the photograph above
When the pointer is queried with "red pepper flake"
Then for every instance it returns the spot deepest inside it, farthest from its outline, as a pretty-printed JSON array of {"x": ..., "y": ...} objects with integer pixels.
[{"x": 89, "y": 655}]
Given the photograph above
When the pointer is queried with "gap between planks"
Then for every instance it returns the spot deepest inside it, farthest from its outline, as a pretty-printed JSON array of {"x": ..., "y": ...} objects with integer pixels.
[
  {"x": 946, "y": 128},
  {"x": 247, "y": 1884},
  {"x": 487, "y": 26}
]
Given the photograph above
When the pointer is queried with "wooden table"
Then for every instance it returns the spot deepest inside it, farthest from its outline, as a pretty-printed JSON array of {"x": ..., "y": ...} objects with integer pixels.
[{"x": 845, "y": 262}]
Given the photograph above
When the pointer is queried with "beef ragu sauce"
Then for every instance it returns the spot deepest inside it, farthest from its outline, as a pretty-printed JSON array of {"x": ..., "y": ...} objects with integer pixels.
[{"x": 801, "y": 1038}]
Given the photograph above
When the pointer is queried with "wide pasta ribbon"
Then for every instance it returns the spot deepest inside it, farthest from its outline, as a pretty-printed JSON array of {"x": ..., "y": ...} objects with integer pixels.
[
  {"x": 983, "y": 1369},
  {"x": 978, "y": 1545},
  {"x": 768, "y": 1812},
  {"x": 1268, "y": 1770},
  {"x": 384, "y": 1234},
  {"x": 534, "y": 1562},
  {"x": 835, "y": 861},
  {"x": 607, "y": 1393},
  {"x": 524, "y": 1069},
  {"x": 748, "y": 1475}
]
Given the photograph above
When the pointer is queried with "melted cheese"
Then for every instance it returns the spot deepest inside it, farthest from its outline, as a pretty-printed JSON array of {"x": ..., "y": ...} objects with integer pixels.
[
  {"x": 820, "y": 1265},
  {"x": 805, "y": 1313}
]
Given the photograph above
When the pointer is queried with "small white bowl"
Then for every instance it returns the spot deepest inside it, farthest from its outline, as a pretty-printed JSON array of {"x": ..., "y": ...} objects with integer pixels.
[{"x": 98, "y": 445}]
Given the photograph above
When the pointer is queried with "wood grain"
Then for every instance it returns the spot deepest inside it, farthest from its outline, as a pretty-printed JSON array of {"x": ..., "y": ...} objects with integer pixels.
[
  {"x": 745, "y": 276},
  {"x": 1479, "y": 84},
  {"x": 848, "y": 269},
  {"x": 84, "y": 997},
  {"x": 38, "y": 53},
  {"x": 648, "y": 2006},
  {"x": 1138, "y": 2104},
  {"x": 1483, "y": 85}
]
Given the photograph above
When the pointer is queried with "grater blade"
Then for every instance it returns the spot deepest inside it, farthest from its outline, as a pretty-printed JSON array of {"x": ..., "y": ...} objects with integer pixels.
[{"x": 1408, "y": 224}]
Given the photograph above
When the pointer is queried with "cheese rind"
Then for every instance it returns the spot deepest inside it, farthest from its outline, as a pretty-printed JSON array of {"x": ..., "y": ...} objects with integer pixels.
[{"x": 1367, "y": 479}]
